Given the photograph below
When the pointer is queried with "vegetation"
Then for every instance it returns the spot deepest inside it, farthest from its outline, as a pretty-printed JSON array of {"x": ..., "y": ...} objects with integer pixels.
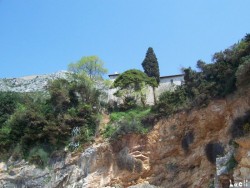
[
  {"x": 132, "y": 84},
  {"x": 151, "y": 68},
  {"x": 242, "y": 73},
  {"x": 171, "y": 101},
  {"x": 127, "y": 162},
  {"x": 187, "y": 140},
  {"x": 215, "y": 80},
  {"x": 130, "y": 121},
  {"x": 92, "y": 66},
  {"x": 33, "y": 125}
]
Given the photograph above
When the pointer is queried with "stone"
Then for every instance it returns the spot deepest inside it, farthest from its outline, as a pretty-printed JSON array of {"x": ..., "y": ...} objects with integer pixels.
[
  {"x": 245, "y": 172},
  {"x": 3, "y": 167},
  {"x": 245, "y": 162}
]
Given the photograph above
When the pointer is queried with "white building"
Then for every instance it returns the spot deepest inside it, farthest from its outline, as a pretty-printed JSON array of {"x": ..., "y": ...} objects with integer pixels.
[{"x": 166, "y": 83}]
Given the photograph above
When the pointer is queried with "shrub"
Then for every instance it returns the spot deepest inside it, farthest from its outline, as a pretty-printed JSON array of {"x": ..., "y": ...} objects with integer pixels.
[
  {"x": 241, "y": 126},
  {"x": 231, "y": 164},
  {"x": 150, "y": 120},
  {"x": 171, "y": 101},
  {"x": 172, "y": 167},
  {"x": 242, "y": 73},
  {"x": 129, "y": 102},
  {"x": 128, "y": 127},
  {"x": 17, "y": 153},
  {"x": 109, "y": 131},
  {"x": 8, "y": 104},
  {"x": 213, "y": 150},
  {"x": 38, "y": 157},
  {"x": 135, "y": 113},
  {"x": 125, "y": 161},
  {"x": 138, "y": 165},
  {"x": 187, "y": 140}
]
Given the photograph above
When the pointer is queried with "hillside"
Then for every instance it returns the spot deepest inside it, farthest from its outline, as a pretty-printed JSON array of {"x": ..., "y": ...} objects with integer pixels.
[
  {"x": 32, "y": 83},
  {"x": 160, "y": 157},
  {"x": 195, "y": 135}
]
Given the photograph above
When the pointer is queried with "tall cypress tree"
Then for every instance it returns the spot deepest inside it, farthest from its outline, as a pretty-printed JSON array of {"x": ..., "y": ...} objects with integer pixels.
[{"x": 151, "y": 67}]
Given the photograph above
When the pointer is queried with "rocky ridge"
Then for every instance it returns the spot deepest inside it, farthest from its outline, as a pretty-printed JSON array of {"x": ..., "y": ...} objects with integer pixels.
[{"x": 30, "y": 83}]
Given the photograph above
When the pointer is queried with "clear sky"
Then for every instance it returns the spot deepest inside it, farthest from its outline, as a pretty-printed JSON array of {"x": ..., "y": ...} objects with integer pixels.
[{"x": 44, "y": 36}]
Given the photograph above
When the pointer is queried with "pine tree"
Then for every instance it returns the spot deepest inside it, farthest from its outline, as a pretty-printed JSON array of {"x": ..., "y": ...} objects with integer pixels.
[{"x": 151, "y": 67}]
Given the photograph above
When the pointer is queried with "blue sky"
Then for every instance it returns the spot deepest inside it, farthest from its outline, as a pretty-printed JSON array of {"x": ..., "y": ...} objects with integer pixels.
[{"x": 44, "y": 36}]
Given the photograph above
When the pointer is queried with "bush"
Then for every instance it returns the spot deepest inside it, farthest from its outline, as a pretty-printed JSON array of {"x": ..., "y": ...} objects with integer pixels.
[
  {"x": 125, "y": 161},
  {"x": 109, "y": 131},
  {"x": 213, "y": 150},
  {"x": 172, "y": 167},
  {"x": 241, "y": 126},
  {"x": 187, "y": 140},
  {"x": 242, "y": 73},
  {"x": 150, "y": 120},
  {"x": 8, "y": 104},
  {"x": 128, "y": 127},
  {"x": 129, "y": 102},
  {"x": 28, "y": 120},
  {"x": 231, "y": 164},
  {"x": 171, "y": 101},
  {"x": 127, "y": 122},
  {"x": 135, "y": 113},
  {"x": 38, "y": 157}
]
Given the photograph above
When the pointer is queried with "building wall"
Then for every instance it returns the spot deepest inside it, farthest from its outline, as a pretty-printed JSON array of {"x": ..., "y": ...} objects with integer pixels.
[{"x": 166, "y": 83}]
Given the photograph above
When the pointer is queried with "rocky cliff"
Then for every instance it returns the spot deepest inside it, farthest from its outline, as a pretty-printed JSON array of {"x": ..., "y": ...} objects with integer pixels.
[{"x": 177, "y": 152}]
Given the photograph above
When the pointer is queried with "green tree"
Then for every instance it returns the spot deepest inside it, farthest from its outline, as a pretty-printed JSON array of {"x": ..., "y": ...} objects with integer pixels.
[
  {"x": 92, "y": 66},
  {"x": 132, "y": 83},
  {"x": 151, "y": 67},
  {"x": 8, "y": 103}
]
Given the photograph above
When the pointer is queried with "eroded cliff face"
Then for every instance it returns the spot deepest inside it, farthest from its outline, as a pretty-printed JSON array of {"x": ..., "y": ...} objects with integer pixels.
[{"x": 172, "y": 154}]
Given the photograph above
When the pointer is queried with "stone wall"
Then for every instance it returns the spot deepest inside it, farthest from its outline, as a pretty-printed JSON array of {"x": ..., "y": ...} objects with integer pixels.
[{"x": 166, "y": 83}]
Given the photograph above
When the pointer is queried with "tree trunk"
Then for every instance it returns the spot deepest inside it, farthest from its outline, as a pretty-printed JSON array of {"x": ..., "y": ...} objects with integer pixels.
[
  {"x": 143, "y": 99},
  {"x": 154, "y": 95}
]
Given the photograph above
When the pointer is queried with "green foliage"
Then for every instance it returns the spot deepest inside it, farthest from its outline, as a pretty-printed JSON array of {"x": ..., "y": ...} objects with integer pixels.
[
  {"x": 133, "y": 78},
  {"x": 92, "y": 66},
  {"x": 109, "y": 130},
  {"x": 129, "y": 102},
  {"x": 127, "y": 122},
  {"x": 132, "y": 83},
  {"x": 38, "y": 156},
  {"x": 242, "y": 73},
  {"x": 48, "y": 121},
  {"x": 214, "y": 80},
  {"x": 219, "y": 78},
  {"x": 171, "y": 101},
  {"x": 151, "y": 66},
  {"x": 231, "y": 164},
  {"x": 136, "y": 113},
  {"x": 128, "y": 127},
  {"x": 9, "y": 101}
]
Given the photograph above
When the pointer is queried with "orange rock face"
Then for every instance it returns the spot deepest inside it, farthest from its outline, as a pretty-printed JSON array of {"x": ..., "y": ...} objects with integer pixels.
[
  {"x": 171, "y": 155},
  {"x": 165, "y": 159}
]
